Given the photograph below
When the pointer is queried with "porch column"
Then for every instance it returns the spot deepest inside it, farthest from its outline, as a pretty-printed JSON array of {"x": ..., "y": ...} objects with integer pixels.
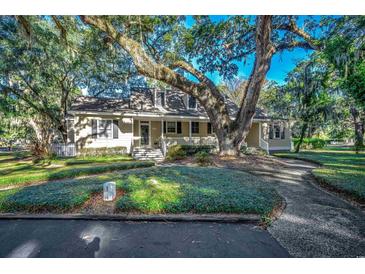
[
  {"x": 132, "y": 145},
  {"x": 162, "y": 128},
  {"x": 190, "y": 131}
]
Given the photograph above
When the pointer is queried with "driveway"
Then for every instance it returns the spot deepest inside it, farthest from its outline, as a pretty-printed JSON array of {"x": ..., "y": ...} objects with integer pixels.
[
  {"x": 314, "y": 222},
  {"x": 79, "y": 238}
]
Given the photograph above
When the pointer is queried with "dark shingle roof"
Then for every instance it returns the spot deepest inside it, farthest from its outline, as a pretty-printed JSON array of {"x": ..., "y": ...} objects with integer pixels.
[
  {"x": 143, "y": 100},
  {"x": 88, "y": 103}
]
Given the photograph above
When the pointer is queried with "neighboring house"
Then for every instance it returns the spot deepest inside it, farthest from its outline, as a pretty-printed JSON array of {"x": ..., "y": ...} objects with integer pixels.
[{"x": 156, "y": 119}]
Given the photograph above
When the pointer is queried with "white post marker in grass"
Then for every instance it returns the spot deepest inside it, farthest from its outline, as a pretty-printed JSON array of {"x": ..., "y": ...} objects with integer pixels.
[{"x": 109, "y": 191}]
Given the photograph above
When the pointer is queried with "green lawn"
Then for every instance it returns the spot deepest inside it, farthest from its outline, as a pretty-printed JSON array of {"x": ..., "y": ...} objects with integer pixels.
[
  {"x": 153, "y": 190},
  {"x": 15, "y": 170},
  {"x": 342, "y": 169}
]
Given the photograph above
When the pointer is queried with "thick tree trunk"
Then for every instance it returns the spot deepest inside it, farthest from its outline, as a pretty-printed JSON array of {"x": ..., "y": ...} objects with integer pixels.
[
  {"x": 264, "y": 52},
  {"x": 62, "y": 128},
  {"x": 226, "y": 141},
  {"x": 302, "y": 133},
  {"x": 359, "y": 129},
  {"x": 41, "y": 145}
]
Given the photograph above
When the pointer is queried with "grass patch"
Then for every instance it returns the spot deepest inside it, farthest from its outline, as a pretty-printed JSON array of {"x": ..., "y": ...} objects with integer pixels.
[
  {"x": 342, "y": 169},
  {"x": 14, "y": 171},
  {"x": 50, "y": 197},
  {"x": 154, "y": 190},
  {"x": 195, "y": 190}
]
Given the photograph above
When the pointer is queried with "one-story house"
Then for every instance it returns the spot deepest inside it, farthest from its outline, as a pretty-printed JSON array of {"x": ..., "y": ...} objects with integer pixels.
[{"x": 152, "y": 120}]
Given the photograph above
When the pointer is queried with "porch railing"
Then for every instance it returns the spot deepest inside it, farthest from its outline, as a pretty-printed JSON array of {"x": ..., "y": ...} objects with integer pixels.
[
  {"x": 163, "y": 146},
  {"x": 264, "y": 145},
  {"x": 63, "y": 150},
  {"x": 191, "y": 141}
]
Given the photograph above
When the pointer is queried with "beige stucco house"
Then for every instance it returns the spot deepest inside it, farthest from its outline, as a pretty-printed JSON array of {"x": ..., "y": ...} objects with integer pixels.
[{"x": 153, "y": 120}]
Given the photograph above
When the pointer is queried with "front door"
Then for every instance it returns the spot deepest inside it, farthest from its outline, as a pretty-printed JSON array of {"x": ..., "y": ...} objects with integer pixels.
[{"x": 145, "y": 134}]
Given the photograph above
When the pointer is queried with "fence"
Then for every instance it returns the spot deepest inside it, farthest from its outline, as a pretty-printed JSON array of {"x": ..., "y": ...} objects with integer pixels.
[{"x": 62, "y": 150}]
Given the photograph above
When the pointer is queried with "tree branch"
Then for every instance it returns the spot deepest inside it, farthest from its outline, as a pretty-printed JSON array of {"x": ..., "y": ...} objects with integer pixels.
[
  {"x": 60, "y": 27},
  {"x": 144, "y": 64},
  {"x": 293, "y": 44},
  {"x": 293, "y": 28},
  {"x": 199, "y": 75}
]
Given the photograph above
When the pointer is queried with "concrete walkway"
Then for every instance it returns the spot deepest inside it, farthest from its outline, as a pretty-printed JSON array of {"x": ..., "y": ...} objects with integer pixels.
[
  {"x": 80, "y": 238},
  {"x": 314, "y": 223}
]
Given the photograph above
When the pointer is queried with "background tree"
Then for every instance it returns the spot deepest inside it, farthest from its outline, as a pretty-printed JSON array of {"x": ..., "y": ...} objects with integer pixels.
[
  {"x": 345, "y": 49},
  {"x": 306, "y": 98},
  {"x": 44, "y": 67},
  {"x": 14, "y": 128}
]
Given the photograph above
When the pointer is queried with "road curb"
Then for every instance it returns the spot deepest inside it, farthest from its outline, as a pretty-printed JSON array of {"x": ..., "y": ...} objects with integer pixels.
[{"x": 237, "y": 218}]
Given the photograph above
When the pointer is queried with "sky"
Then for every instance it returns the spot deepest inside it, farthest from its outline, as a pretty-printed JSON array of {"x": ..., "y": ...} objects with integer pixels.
[{"x": 281, "y": 64}]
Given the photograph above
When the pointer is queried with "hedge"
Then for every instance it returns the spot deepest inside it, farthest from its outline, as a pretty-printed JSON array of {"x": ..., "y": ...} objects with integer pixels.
[
  {"x": 311, "y": 143},
  {"x": 193, "y": 149},
  {"x": 102, "y": 151}
]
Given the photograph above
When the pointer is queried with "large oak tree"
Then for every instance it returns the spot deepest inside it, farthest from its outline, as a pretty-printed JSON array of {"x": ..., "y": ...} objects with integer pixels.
[{"x": 214, "y": 47}]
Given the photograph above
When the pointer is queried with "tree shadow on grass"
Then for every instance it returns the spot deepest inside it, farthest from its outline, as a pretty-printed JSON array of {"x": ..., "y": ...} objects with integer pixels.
[{"x": 196, "y": 190}]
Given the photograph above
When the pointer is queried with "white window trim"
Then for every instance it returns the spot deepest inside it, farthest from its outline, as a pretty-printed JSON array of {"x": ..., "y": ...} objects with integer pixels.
[
  {"x": 167, "y": 127},
  {"x": 280, "y": 130},
  {"x": 98, "y": 137},
  {"x": 157, "y": 93},
  {"x": 198, "y": 127}
]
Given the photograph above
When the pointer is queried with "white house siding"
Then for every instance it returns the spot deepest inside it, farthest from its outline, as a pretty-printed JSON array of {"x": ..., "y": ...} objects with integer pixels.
[
  {"x": 252, "y": 139},
  {"x": 83, "y": 132},
  {"x": 277, "y": 144}
]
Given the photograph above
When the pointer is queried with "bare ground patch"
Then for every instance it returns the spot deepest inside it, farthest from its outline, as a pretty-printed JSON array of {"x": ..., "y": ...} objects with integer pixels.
[{"x": 96, "y": 205}]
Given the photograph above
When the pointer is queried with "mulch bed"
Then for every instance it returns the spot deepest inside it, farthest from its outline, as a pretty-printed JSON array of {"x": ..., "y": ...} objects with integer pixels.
[
  {"x": 97, "y": 205},
  {"x": 255, "y": 162}
]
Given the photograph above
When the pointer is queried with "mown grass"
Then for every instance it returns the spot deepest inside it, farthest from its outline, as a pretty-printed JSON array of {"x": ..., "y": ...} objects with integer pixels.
[
  {"x": 196, "y": 190},
  {"x": 50, "y": 197},
  {"x": 15, "y": 170},
  {"x": 342, "y": 169},
  {"x": 153, "y": 190}
]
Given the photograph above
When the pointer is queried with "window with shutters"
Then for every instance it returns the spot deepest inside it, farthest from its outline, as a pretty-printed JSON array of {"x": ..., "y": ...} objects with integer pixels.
[
  {"x": 209, "y": 128},
  {"x": 105, "y": 129},
  {"x": 163, "y": 98},
  {"x": 277, "y": 131},
  {"x": 195, "y": 127},
  {"x": 283, "y": 133},
  {"x": 160, "y": 98},
  {"x": 178, "y": 128},
  {"x": 94, "y": 129},
  {"x": 171, "y": 127},
  {"x": 115, "y": 129}
]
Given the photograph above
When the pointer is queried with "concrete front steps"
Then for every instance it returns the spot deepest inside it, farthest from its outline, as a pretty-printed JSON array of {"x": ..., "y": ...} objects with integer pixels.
[{"x": 148, "y": 153}]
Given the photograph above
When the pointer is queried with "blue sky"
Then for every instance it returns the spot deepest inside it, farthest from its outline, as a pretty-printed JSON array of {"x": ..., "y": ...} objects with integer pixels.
[{"x": 281, "y": 64}]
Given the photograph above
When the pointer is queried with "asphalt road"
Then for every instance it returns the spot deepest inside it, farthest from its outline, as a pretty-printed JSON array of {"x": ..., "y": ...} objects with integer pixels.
[{"x": 80, "y": 238}]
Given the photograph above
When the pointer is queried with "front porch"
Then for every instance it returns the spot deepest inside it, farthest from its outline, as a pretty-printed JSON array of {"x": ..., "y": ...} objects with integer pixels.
[{"x": 163, "y": 133}]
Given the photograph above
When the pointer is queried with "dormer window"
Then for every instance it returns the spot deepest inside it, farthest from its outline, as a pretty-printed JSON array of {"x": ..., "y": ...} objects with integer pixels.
[
  {"x": 160, "y": 98},
  {"x": 192, "y": 104},
  {"x": 163, "y": 98}
]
